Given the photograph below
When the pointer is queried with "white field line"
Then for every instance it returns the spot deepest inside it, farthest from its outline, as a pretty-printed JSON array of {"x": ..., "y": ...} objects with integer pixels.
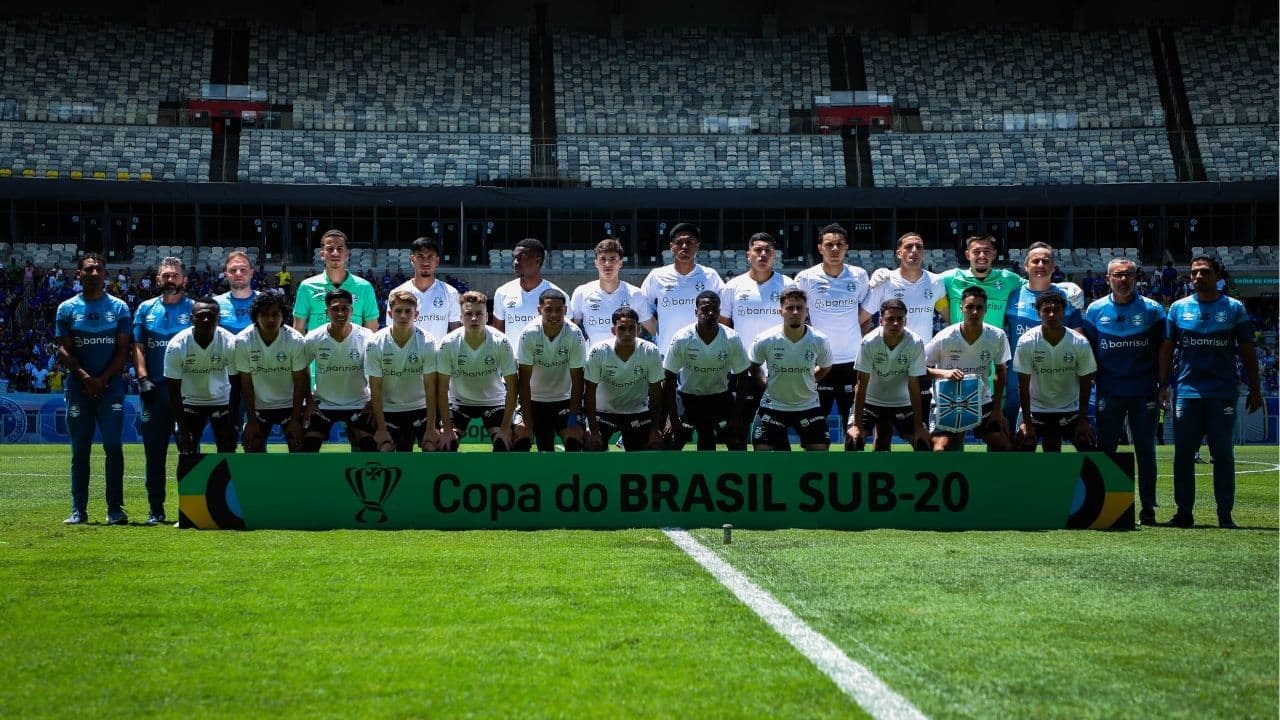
[{"x": 853, "y": 679}]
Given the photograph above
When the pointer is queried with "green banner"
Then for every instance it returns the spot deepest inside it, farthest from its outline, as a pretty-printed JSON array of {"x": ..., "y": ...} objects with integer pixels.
[{"x": 935, "y": 491}]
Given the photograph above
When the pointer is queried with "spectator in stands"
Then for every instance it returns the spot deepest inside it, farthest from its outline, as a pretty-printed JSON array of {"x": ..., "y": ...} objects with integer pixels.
[
  {"x": 284, "y": 278},
  {"x": 309, "y": 304}
]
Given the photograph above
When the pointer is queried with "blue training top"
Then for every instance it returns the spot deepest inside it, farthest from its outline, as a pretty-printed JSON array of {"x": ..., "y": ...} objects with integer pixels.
[
  {"x": 92, "y": 326},
  {"x": 154, "y": 325},
  {"x": 1126, "y": 340},
  {"x": 233, "y": 313},
  {"x": 1207, "y": 335}
]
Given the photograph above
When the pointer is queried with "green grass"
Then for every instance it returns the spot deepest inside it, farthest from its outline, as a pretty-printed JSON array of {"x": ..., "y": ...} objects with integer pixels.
[{"x": 154, "y": 621}]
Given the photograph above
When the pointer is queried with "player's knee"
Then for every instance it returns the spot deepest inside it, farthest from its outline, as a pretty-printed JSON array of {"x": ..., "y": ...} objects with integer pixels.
[
  {"x": 311, "y": 443},
  {"x": 572, "y": 445}
]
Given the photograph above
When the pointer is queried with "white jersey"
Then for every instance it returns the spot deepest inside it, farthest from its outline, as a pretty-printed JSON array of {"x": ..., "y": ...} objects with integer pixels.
[
  {"x": 791, "y": 385},
  {"x": 919, "y": 297},
  {"x": 888, "y": 368},
  {"x": 517, "y": 308},
  {"x": 949, "y": 350},
  {"x": 478, "y": 375},
  {"x": 204, "y": 371},
  {"x": 622, "y": 386},
  {"x": 672, "y": 296},
  {"x": 340, "y": 380},
  {"x": 271, "y": 366},
  {"x": 551, "y": 359},
  {"x": 592, "y": 308},
  {"x": 437, "y": 307},
  {"x": 1055, "y": 370},
  {"x": 753, "y": 307},
  {"x": 704, "y": 368},
  {"x": 835, "y": 305},
  {"x": 401, "y": 368}
]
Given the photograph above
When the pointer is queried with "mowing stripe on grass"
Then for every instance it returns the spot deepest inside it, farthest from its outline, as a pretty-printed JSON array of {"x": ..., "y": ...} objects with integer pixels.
[{"x": 853, "y": 679}]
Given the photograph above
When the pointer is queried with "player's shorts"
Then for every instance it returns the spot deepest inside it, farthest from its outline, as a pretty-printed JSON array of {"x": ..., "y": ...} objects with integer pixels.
[
  {"x": 1055, "y": 425},
  {"x": 267, "y": 417},
  {"x": 193, "y": 418},
  {"x": 406, "y": 427},
  {"x": 986, "y": 425},
  {"x": 549, "y": 419},
  {"x": 323, "y": 420},
  {"x": 705, "y": 411},
  {"x": 837, "y": 386},
  {"x": 490, "y": 417},
  {"x": 886, "y": 419},
  {"x": 633, "y": 426},
  {"x": 771, "y": 427}
]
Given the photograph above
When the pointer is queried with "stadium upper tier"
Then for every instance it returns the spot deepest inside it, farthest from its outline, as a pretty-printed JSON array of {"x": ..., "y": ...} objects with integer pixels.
[
  {"x": 969, "y": 81},
  {"x": 126, "y": 152},
  {"x": 703, "y": 161},
  {"x": 372, "y": 158},
  {"x": 1230, "y": 74},
  {"x": 678, "y": 80},
  {"x": 396, "y": 78},
  {"x": 1240, "y": 152},
  {"x": 82, "y": 70},
  {"x": 1040, "y": 158}
]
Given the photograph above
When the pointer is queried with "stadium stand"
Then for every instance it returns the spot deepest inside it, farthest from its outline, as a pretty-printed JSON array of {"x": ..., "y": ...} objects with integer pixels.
[
  {"x": 377, "y": 158},
  {"x": 396, "y": 79},
  {"x": 1230, "y": 73},
  {"x": 115, "y": 152},
  {"x": 680, "y": 80},
  {"x": 964, "y": 81},
  {"x": 1240, "y": 152},
  {"x": 1052, "y": 158},
  {"x": 93, "y": 71},
  {"x": 703, "y": 161}
]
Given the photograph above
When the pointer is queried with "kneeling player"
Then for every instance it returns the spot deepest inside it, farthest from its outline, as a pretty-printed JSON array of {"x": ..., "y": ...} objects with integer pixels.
[
  {"x": 623, "y": 392},
  {"x": 971, "y": 347},
  {"x": 701, "y": 359},
  {"x": 797, "y": 357},
  {"x": 477, "y": 372},
  {"x": 401, "y": 365},
  {"x": 274, "y": 381},
  {"x": 890, "y": 363},
  {"x": 1055, "y": 368},
  {"x": 342, "y": 390},
  {"x": 196, "y": 365}
]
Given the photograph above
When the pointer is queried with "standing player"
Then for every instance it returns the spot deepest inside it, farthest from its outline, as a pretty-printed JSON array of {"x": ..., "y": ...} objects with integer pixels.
[
  {"x": 695, "y": 388},
  {"x": 438, "y": 310},
  {"x": 234, "y": 304},
  {"x": 890, "y": 367},
  {"x": 972, "y": 347},
  {"x": 515, "y": 304},
  {"x": 310, "y": 307},
  {"x": 157, "y": 321},
  {"x": 1126, "y": 331},
  {"x": 199, "y": 365},
  {"x": 551, "y": 355},
  {"x": 1055, "y": 368},
  {"x": 839, "y": 296},
  {"x": 401, "y": 364},
  {"x": 593, "y": 303},
  {"x": 92, "y": 329},
  {"x": 998, "y": 284},
  {"x": 1208, "y": 329},
  {"x": 797, "y": 357},
  {"x": 671, "y": 289},
  {"x": 623, "y": 391},
  {"x": 341, "y": 387},
  {"x": 272, "y": 361},
  {"x": 478, "y": 374}
]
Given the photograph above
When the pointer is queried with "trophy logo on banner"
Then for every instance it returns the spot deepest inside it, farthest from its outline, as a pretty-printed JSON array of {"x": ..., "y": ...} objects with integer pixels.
[{"x": 373, "y": 484}]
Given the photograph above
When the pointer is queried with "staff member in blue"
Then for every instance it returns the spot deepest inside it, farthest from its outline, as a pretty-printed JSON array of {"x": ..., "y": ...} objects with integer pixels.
[
  {"x": 154, "y": 325},
  {"x": 92, "y": 329},
  {"x": 1208, "y": 329},
  {"x": 1126, "y": 331}
]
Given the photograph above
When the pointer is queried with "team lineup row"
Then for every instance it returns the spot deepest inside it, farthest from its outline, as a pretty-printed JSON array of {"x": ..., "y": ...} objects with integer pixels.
[{"x": 753, "y": 357}]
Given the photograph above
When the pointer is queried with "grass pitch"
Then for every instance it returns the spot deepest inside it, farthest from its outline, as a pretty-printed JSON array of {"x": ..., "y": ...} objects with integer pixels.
[{"x": 146, "y": 621}]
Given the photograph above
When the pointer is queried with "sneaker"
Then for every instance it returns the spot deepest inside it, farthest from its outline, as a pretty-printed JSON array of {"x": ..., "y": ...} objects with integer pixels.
[
  {"x": 77, "y": 517},
  {"x": 1181, "y": 520},
  {"x": 157, "y": 519},
  {"x": 1200, "y": 460},
  {"x": 1147, "y": 517},
  {"x": 117, "y": 517},
  {"x": 1226, "y": 523}
]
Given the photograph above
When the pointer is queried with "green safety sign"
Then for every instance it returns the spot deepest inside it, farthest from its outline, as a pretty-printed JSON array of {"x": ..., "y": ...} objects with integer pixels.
[{"x": 934, "y": 491}]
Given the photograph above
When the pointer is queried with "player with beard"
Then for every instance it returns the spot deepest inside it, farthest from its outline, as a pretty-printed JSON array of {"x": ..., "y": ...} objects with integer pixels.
[
  {"x": 695, "y": 387},
  {"x": 797, "y": 358},
  {"x": 199, "y": 366},
  {"x": 438, "y": 310},
  {"x": 272, "y": 361},
  {"x": 157, "y": 321},
  {"x": 234, "y": 304},
  {"x": 401, "y": 364}
]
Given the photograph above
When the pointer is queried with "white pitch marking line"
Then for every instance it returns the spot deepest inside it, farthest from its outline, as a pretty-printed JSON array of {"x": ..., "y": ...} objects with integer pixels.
[{"x": 853, "y": 679}]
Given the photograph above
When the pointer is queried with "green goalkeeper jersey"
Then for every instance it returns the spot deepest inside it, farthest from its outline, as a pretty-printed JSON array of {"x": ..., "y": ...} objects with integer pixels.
[{"x": 999, "y": 284}]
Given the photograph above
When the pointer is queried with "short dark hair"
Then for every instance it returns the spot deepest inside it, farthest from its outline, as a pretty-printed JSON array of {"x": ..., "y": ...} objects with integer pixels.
[
  {"x": 893, "y": 304},
  {"x": 625, "y": 312},
  {"x": 90, "y": 256},
  {"x": 834, "y": 229},
  {"x": 206, "y": 299},
  {"x": 610, "y": 245},
  {"x": 687, "y": 227},
  {"x": 424, "y": 243},
  {"x": 907, "y": 236},
  {"x": 707, "y": 295},
  {"x": 334, "y": 233},
  {"x": 1040, "y": 245},
  {"x": 265, "y": 300},
  {"x": 338, "y": 294},
  {"x": 532, "y": 244},
  {"x": 792, "y": 292},
  {"x": 969, "y": 241},
  {"x": 1052, "y": 295},
  {"x": 1213, "y": 262},
  {"x": 974, "y": 291},
  {"x": 763, "y": 237},
  {"x": 552, "y": 294}
]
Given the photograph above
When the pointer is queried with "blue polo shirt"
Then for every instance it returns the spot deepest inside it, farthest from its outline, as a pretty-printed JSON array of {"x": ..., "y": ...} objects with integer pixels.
[
  {"x": 1207, "y": 336},
  {"x": 1126, "y": 341}
]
